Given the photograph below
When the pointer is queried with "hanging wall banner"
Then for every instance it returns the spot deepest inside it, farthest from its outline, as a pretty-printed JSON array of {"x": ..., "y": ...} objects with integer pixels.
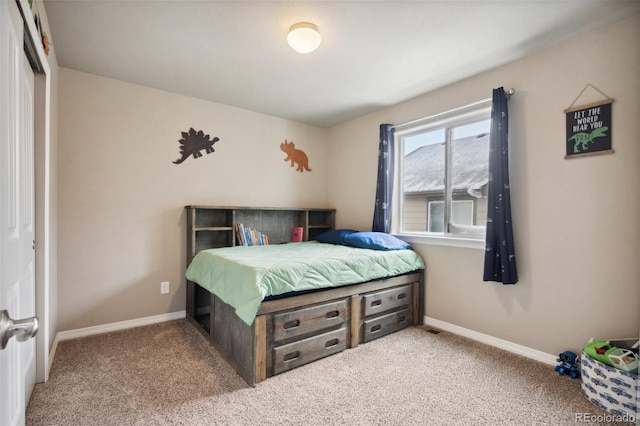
[
  {"x": 589, "y": 130},
  {"x": 589, "y": 127}
]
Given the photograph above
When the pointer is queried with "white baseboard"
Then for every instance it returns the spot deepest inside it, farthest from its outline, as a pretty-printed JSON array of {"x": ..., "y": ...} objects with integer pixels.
[
  {"x": 493, "y": 341},
  {"x": 115, "y": 326},
  {"x": 52, "y": 354}
]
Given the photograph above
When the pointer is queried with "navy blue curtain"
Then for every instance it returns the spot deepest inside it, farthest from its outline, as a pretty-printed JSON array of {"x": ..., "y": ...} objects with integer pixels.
[
  {"x": 500, "y": 255},
  {"x": 384, "y": 188}
]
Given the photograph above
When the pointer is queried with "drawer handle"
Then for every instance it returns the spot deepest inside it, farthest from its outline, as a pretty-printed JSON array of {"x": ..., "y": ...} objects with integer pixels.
[
  {"x": 376, "y": 303},
  {"x": 375, "y": 328},
  {"x": 291, "y": 324},
  {"x": 332, "y": 342},
  {"x": 402, "y": 296},
  {"x": 401, "y": 319},
  {"x": 332, "y": 314},
  {"x": 291, "y": 356}
]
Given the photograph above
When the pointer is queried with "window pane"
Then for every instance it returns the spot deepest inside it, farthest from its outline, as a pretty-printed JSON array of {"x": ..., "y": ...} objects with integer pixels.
[
  {"x": 445, "y": 166},
  {"x": 470, "y": 172},
  {"x": 472, "y": 129},
  {"x": 423, "y": 177}
]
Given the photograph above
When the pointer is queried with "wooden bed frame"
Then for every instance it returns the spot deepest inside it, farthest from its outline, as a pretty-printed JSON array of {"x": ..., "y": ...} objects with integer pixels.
[{"x": 292, "y": 331}]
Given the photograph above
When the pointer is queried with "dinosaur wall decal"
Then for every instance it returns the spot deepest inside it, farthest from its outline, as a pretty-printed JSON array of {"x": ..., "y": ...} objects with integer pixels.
[
  {"x": 582, "y": 139},
  {"x": 295, "y": 156},
  {"x": 193, "y": 142}
]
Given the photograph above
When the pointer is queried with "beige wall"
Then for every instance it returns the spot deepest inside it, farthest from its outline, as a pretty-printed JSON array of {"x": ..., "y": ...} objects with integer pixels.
[
  {"x": 120, "y": 204},
  {"x": 576, "y": 221},
  {"x": 121, "y": 199}
]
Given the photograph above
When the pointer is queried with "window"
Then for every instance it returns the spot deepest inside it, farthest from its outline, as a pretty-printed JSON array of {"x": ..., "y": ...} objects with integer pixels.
[{"x": 443, "y": 174}]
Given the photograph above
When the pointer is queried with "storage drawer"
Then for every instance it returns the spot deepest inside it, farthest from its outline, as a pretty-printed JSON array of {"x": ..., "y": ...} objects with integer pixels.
[
  {"x": 385, "y": 324},
  {"x": 306, "y": 320},
  {"x": 295, "y": 354},
  {"x": 388, "y": 299}
]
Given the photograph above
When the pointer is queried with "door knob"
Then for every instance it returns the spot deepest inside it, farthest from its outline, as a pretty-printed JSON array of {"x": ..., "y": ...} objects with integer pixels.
[{"x": 23, "y": 329}]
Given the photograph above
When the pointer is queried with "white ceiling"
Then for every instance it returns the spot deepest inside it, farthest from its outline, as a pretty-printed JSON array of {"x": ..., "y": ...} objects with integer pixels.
[{"x": 373, "y": 53}]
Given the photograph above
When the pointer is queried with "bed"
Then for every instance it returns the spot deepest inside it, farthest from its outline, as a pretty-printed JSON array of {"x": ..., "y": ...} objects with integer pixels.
[{"x": 272, "y": 308}]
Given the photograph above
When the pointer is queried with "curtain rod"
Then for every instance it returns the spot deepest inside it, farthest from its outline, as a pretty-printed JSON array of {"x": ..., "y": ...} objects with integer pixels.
[{"x": 509, "y": 93}]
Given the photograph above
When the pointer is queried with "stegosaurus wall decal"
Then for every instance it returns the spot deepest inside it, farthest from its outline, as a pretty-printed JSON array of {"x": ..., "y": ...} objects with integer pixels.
[{"x": 193, "y": 142}]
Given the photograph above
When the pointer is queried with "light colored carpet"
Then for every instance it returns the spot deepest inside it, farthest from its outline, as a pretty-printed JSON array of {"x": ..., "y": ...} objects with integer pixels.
[{"x": 168, "y": 374}]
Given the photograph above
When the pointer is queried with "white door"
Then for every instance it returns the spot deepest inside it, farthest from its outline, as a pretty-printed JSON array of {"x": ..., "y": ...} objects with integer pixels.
[
  {"x": 27, "y": 210},
  {"x": 17, "y": 264}
]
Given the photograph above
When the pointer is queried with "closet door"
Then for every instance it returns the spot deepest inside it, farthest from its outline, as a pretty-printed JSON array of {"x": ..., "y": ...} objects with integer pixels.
[{"x": 17, "y": 260}]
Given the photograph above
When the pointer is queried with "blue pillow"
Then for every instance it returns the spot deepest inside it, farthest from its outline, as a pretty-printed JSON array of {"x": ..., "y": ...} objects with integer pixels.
[
  {"x": 335, "y": 236},
  {"x": 375, "y": 241}
]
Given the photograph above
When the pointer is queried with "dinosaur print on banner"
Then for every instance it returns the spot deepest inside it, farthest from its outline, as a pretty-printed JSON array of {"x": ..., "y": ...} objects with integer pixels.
[
  {"x": 583, "y": 139},
  {"x": 296, "y": 156},
  {"x": 193, "y": 142}
]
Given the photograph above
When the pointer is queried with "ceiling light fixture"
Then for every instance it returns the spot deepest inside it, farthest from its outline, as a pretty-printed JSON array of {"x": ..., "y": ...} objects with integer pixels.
[{"x": 304, "y": 37}]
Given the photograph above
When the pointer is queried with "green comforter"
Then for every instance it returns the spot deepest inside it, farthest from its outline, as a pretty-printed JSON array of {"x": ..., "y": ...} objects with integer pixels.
[{"x": 243, "y": 276}]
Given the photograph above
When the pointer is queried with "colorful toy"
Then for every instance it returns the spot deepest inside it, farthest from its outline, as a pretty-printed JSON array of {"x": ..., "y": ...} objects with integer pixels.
[
  {"x": 608, "y": 353},
  {"x": 624, "y": 359},
  {"x": 599, "y": 350},
  {"x": 569, "y": 364}
]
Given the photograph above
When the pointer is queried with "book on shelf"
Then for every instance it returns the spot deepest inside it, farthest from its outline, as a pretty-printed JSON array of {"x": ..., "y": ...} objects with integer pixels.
[
  {"x": 240, "y": 234},
  {"x": 296, "y": 234},
  {"x": 250, "y": 237}
]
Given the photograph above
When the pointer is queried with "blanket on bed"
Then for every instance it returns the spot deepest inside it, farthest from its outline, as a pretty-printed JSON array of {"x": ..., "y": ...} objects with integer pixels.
[{"x": 243, "y": 276}]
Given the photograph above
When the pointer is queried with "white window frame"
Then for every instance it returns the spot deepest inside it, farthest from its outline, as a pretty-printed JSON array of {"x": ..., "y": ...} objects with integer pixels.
[{"x": 459, "y": 236}]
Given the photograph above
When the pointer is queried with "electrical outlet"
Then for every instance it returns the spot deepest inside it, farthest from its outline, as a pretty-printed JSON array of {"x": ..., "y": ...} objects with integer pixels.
[{"x": 164, "y": 287}]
